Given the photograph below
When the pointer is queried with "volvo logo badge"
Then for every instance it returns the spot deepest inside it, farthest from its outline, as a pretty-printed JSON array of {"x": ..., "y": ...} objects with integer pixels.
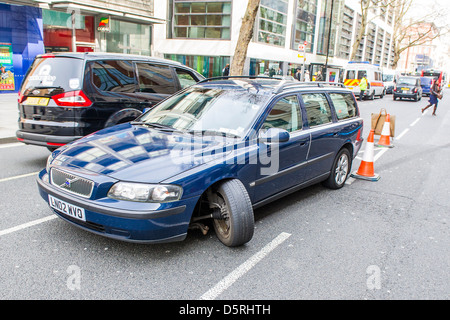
[{"x": 68, "y": 183}]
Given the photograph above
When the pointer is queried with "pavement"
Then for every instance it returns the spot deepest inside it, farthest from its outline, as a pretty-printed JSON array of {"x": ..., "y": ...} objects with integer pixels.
[{"x": 9, "y": 115}]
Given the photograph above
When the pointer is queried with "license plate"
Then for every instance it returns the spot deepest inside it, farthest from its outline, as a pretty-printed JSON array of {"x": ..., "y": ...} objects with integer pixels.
[
  {"x": 36, "y": 101},
  {"x": 405, "y": 89},
  {"x": 66, "y": 208}
]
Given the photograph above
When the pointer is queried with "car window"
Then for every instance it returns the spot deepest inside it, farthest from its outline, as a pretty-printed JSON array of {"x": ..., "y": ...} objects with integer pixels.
[
  {"x": 55, "y": 72},
  {"x": 155, "y": 78},
  {"x": 114, "y": 76},
  {"x": 361, "y": 74},
  {"x": 317, "y": 109},
  {"x": 185, "y": 77},
  {"x": 344, "y": 105},
  {"x": 285, "y": 114},
  {"x": 351, "y": 74}
]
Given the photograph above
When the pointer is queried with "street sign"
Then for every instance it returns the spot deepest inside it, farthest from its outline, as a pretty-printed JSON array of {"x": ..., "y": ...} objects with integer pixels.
[{"x": 301, "y": 47}]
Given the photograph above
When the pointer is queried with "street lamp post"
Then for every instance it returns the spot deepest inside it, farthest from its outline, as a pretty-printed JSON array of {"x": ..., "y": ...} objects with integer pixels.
[{"x": 328, "y": 42}]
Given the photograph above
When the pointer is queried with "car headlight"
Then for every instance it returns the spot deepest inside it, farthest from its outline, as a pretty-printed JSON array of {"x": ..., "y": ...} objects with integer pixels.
[{"x": 145, "y": 192}]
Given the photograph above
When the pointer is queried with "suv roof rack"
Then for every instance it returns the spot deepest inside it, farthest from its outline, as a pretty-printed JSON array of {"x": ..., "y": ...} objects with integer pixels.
[
  {"x": 235, "y": 77},
  {"x": 291, "y": 84}
]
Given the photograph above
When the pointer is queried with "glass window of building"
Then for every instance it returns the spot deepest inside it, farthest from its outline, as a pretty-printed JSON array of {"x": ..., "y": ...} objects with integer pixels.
[
  {"x": 327, "y": 33},
  {"x": 305, "y": 24},
  {"x": 272, "y": 21},
  {"x": 58, "y": 32},
  {"x": 200, "y": 19},
  {"x": 208, "y": 66},
  {"x": 128, "y": 37}
]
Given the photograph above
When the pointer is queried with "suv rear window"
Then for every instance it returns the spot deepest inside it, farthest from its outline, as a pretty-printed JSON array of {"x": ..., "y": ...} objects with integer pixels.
[{"x": 55, "y": 72}]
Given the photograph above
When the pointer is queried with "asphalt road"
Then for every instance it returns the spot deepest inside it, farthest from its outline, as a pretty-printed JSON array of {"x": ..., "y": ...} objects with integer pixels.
[{"x": 370, "y": 240}]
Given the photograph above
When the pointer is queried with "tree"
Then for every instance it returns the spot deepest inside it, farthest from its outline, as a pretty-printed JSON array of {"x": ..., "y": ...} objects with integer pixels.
[
  {"x": 368, "y": 6},
  {"x": 413, "y": 31},
  {"x": 245, "y": 35}
]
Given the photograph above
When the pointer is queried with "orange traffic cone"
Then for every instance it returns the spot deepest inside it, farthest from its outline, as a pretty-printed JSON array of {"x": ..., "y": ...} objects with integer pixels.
[
  {"x": 366, "y": 169},
  {"x": 385, "y": 138}
]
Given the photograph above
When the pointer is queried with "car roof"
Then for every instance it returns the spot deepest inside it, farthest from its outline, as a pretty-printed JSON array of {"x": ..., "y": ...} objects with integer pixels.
[
  {"x": 109, "y": 56},
  {"x": 269, "y": 85}
]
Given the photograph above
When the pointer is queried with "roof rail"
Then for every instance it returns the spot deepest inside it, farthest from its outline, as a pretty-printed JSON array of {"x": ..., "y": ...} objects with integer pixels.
[
  {"x": 320, "y": 84},
  {"x": 235, "y": 77}
]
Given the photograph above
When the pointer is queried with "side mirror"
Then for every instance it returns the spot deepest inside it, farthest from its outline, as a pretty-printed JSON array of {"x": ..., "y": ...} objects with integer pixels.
[{"x": 274, "y": 135}]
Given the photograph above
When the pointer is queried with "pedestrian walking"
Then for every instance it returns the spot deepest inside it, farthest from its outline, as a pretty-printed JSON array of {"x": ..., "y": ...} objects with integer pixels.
[
  {"x": 307, "y": 79},
  {"x": 226, "y": 70},
  {"x": 435, "y": 94},
  {"x": 362, "y": 87}
]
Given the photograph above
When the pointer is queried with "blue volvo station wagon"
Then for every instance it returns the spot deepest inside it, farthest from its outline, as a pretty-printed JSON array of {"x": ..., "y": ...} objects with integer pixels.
[{"x": 205, "y": 157}]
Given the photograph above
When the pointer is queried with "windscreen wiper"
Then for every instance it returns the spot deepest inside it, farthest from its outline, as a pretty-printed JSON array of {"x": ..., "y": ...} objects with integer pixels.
[
  {"x": 162, "y": 127},
  {"x": 210, "y": 132}
]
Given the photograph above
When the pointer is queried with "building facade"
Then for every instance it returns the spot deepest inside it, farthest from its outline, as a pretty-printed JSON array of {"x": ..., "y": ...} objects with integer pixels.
[
  {"x": 31, "y": 27},
  {"x": 202, "y": 34}
]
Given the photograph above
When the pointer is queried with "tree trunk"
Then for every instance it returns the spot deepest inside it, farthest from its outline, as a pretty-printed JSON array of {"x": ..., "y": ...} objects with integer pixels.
[{"x": 245, "y": 35}]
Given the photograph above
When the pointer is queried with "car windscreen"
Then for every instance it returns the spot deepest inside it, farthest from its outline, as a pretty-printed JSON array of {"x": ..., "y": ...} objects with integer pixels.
[
  {"x": 407, "y": 81},
  {"x": 63, "y": 73},
  {"x": 226, "y": 111},
  {"x": 388, "y": 77},
  {"x": 426, "y": 81}
]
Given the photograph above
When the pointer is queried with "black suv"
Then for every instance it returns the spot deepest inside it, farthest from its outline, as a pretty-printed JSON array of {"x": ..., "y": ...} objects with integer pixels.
[{"x": 69, "y": 95}]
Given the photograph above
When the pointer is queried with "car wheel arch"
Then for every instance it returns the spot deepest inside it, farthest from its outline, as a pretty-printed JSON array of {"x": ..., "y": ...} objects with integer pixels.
[{"x": 122, "y": 116}]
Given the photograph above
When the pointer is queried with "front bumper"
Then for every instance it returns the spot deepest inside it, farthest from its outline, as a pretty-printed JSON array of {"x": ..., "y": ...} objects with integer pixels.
[{"x": 157, "y": 223}]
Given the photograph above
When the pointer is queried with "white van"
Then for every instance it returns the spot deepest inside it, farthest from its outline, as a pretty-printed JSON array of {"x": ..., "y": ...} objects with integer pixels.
[
  {"x": 353, "y": 74},
  {"x": 389, "y": 77}
]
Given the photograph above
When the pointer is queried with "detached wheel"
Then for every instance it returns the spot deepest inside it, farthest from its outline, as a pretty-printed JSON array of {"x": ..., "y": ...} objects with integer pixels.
[
  {"x": 340, "y": 170},
  {"x": 235, "y": 223}
]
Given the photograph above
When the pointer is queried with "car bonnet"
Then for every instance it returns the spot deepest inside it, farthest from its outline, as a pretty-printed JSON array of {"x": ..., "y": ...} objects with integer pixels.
[{"x": 140, "y": 154}]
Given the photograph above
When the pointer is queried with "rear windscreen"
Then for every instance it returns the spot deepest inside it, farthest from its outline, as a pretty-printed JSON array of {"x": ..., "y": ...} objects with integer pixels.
[{"x": 63, "y": 73}]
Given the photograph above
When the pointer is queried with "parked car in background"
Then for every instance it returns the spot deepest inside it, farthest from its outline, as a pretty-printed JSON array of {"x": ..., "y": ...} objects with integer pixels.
[
  {"x": 425, "y": 83},
  {"x": 65, "y": 96},
  {"x": 408, "y": 87},
  {"x": 207, "y": 155}
]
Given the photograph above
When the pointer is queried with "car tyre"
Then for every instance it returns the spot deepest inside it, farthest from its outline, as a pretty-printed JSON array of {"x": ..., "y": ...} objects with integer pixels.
[
  {"x": 237, "y": 224},
  {"x": 339, "y": 172}
]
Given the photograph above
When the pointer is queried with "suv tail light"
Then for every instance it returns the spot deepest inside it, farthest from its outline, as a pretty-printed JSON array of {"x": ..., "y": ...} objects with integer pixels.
[
  {"x": 72, "y": 99},
  {"x": 20, "y": 97}
]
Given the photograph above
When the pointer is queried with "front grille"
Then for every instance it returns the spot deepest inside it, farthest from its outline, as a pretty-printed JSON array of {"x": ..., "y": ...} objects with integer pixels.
[{"x": 71, "y": 183}]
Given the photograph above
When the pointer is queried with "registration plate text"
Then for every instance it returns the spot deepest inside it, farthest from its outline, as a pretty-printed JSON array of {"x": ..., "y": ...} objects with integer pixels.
[{"x": 67, "y": 208}]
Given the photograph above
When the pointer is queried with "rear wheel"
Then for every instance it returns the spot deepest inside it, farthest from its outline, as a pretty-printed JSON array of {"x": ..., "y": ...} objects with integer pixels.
[
  {"x": 236, "y": 223},
  {"x": 340, "y": 170}
]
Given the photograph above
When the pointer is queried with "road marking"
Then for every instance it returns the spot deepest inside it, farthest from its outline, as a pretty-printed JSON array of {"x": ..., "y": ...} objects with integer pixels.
[
  {"x": 414, "y": 123},
  {"x": 26, "y": 225},
  {"x": 14, "y": 144},
  {"x": 18, "y": 177},
  {"x": 226, "y": 282},
  {"x": 402, "y": 134}
]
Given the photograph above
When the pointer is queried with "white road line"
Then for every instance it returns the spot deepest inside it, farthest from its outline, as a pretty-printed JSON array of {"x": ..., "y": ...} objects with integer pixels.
[
  {"x": 226, "y": 282},
  {"x": 10, "y": 145},
  {"x": 18, "y": 177},
  {"x": 26, "y": 225},
  {"x": 402, "y": 134},
  {"x": 414, "y": 123}
]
